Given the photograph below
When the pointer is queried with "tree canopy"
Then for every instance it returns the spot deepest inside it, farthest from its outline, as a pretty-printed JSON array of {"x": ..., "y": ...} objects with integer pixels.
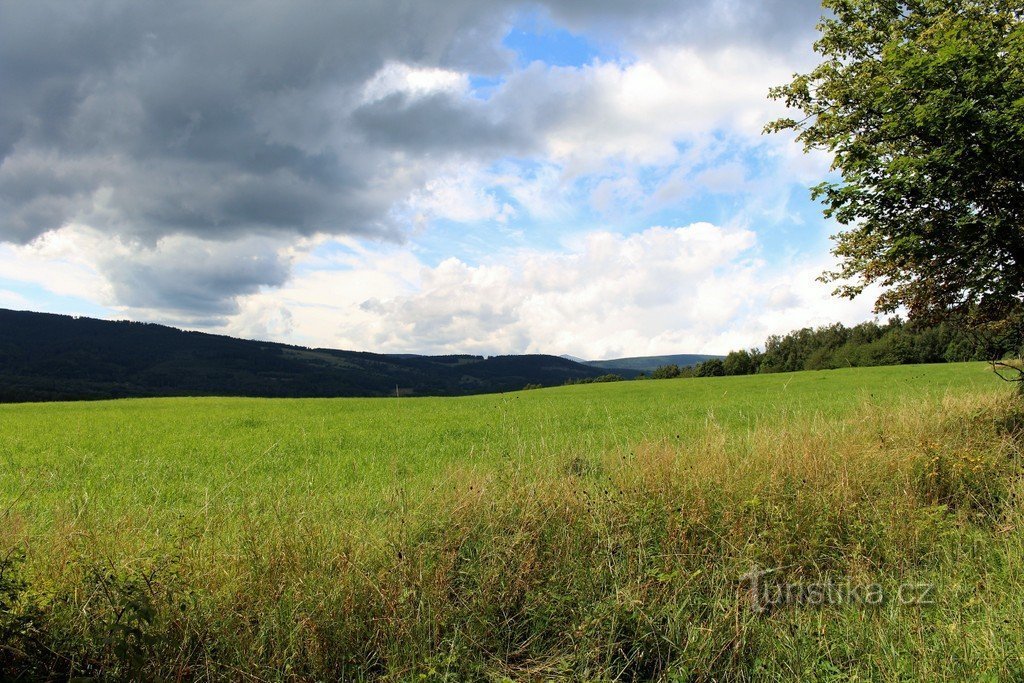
[{"x": 921, "y": 104}]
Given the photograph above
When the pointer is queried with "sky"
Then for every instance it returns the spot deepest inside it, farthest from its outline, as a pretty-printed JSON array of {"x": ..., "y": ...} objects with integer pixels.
[{"x": 584, "y": 177}]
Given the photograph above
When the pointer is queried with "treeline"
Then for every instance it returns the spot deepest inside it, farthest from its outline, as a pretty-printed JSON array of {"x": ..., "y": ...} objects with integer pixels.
[
  {"x": 895, "y": 342},
  {"x": 610, "y": 377}
]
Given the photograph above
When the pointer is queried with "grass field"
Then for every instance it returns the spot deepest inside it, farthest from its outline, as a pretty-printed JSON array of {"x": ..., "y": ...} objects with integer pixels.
[{"x": 591, "y": 532}]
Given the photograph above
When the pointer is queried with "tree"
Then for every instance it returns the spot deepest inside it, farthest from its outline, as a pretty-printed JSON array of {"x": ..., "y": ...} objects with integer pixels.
[
  {"x": 665, "y": 372},
  {"x": 738, "y": 363},
  {"x": 712, "y": 367},
  {"x": 921, "y": 104}
]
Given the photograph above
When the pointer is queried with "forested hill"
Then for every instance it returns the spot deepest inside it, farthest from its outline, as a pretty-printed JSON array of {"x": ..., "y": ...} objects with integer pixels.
[
  {"x": 57, "y": 357},
  {"x": 651, "y": 363}
]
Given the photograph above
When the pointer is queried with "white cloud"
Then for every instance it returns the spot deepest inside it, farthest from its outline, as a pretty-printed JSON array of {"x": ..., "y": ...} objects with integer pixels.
[
  {"x": 459, "y": 193},
  {"x": 180, "y": 279},
  {"x": 639, "y": 111},
  {"x": 413, "y": 82},
  {"x": 60, "y": 262},
  {"x": 698, "y": 288}
]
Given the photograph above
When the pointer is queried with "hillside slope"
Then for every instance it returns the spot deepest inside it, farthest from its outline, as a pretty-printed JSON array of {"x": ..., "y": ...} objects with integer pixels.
[
  {"x": 649, "y": 363},
  {"x": 57, "y": 357}
]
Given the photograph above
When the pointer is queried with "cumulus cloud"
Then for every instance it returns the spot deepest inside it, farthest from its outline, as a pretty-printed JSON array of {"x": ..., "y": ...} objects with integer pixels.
[
  {"x": 776, "y": 24},
  {"x": 216, "y": 119},
  {"x": 179, "y": 279},
  {"x": 695, "y": 288},
  {"x": 59, "y": 262},
  {"x": 186, "y": 276},
  {"x": 701, "y": 287},
  {"x": 183, "y": 162}
]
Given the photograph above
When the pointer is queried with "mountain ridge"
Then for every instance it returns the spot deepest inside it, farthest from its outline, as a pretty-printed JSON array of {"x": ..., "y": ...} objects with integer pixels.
[
  {"x": 649, "y": 363},
  {"x": 47, "y": 356}
]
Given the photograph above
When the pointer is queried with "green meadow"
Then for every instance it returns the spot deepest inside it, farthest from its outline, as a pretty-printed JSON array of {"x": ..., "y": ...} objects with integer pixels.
[{"x": 589, "y": 532}]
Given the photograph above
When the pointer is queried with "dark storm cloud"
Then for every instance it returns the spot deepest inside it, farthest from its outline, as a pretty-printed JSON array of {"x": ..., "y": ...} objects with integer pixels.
[
  {"x": 438, "y": 122},
  {"x": 779, "y": 24},
  {"x": 187, "y": 278},
  {"x": 224, "y": 120},
  {"x": 171, "y": 108}
]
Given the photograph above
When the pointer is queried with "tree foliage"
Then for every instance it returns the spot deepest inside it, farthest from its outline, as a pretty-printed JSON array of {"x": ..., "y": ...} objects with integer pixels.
[
  {"x": 669, "y": 371},
  {"x": 713, "y": 367},
  {"x": 892, "y": 343},
  {"x": 921, "y": 104},
  {"x": 896, "y": 342},
  {"x": 739, "y": 363}
]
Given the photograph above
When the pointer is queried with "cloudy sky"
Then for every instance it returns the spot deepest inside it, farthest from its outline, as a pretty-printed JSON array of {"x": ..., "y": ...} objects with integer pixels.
[{"x": 571, "y": 176}]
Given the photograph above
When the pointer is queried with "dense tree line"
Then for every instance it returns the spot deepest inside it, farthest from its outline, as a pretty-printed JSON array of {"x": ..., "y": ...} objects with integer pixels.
[
  {"x": 608, "y": 377},
  {"x": 895, "y": 342}
]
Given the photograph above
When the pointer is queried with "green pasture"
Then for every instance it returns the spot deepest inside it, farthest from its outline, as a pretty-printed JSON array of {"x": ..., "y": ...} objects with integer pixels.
[
  {"x": 594, "y": 532},
  {"x": 156, "y": 460}
]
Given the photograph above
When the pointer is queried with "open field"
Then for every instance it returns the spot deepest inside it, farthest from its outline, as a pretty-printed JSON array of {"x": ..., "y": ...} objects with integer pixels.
[{"x": 596, "y": 532}]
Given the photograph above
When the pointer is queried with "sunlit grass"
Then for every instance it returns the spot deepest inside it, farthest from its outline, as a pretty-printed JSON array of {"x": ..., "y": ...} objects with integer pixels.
[{"x": 586, "y": 532}]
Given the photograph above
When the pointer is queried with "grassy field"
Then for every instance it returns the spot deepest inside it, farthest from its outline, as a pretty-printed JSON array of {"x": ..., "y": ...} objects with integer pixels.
[{"x": 592, "y": 532}]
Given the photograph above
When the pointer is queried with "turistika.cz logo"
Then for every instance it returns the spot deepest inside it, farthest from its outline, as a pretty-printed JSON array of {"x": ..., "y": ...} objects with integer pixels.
[{"x": 762, "y": 593}]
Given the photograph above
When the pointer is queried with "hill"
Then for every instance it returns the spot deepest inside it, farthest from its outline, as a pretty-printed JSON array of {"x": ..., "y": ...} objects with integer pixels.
[
  {"x": 46, "y": 357},
  {"x": 649, "y": 363}
]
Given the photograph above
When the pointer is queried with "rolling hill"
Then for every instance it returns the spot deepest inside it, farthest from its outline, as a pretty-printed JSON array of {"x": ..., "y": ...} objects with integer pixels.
[
  {"x": 47, "y": 357},
  {"x": 649, "y": 363}
]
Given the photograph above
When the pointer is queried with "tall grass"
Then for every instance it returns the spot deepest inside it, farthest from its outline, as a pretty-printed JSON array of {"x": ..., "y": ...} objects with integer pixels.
[{"x": 625, "y": 563}]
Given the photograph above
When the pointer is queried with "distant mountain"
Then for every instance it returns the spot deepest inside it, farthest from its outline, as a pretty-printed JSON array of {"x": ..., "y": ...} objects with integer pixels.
[
  {"x": 57, "y": 357},
  {"x": 574, "y": 359},
  {"x": 649, "y": 363}
]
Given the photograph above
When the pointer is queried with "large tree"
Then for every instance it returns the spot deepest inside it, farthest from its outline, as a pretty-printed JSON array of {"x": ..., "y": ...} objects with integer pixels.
[{"x": 921, "y": 104}]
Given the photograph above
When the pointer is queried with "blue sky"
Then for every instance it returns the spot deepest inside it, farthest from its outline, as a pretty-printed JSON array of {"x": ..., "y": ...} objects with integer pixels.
[
  {"x": 535, "y": 37},
  {"x": 445, "y": 177}
]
